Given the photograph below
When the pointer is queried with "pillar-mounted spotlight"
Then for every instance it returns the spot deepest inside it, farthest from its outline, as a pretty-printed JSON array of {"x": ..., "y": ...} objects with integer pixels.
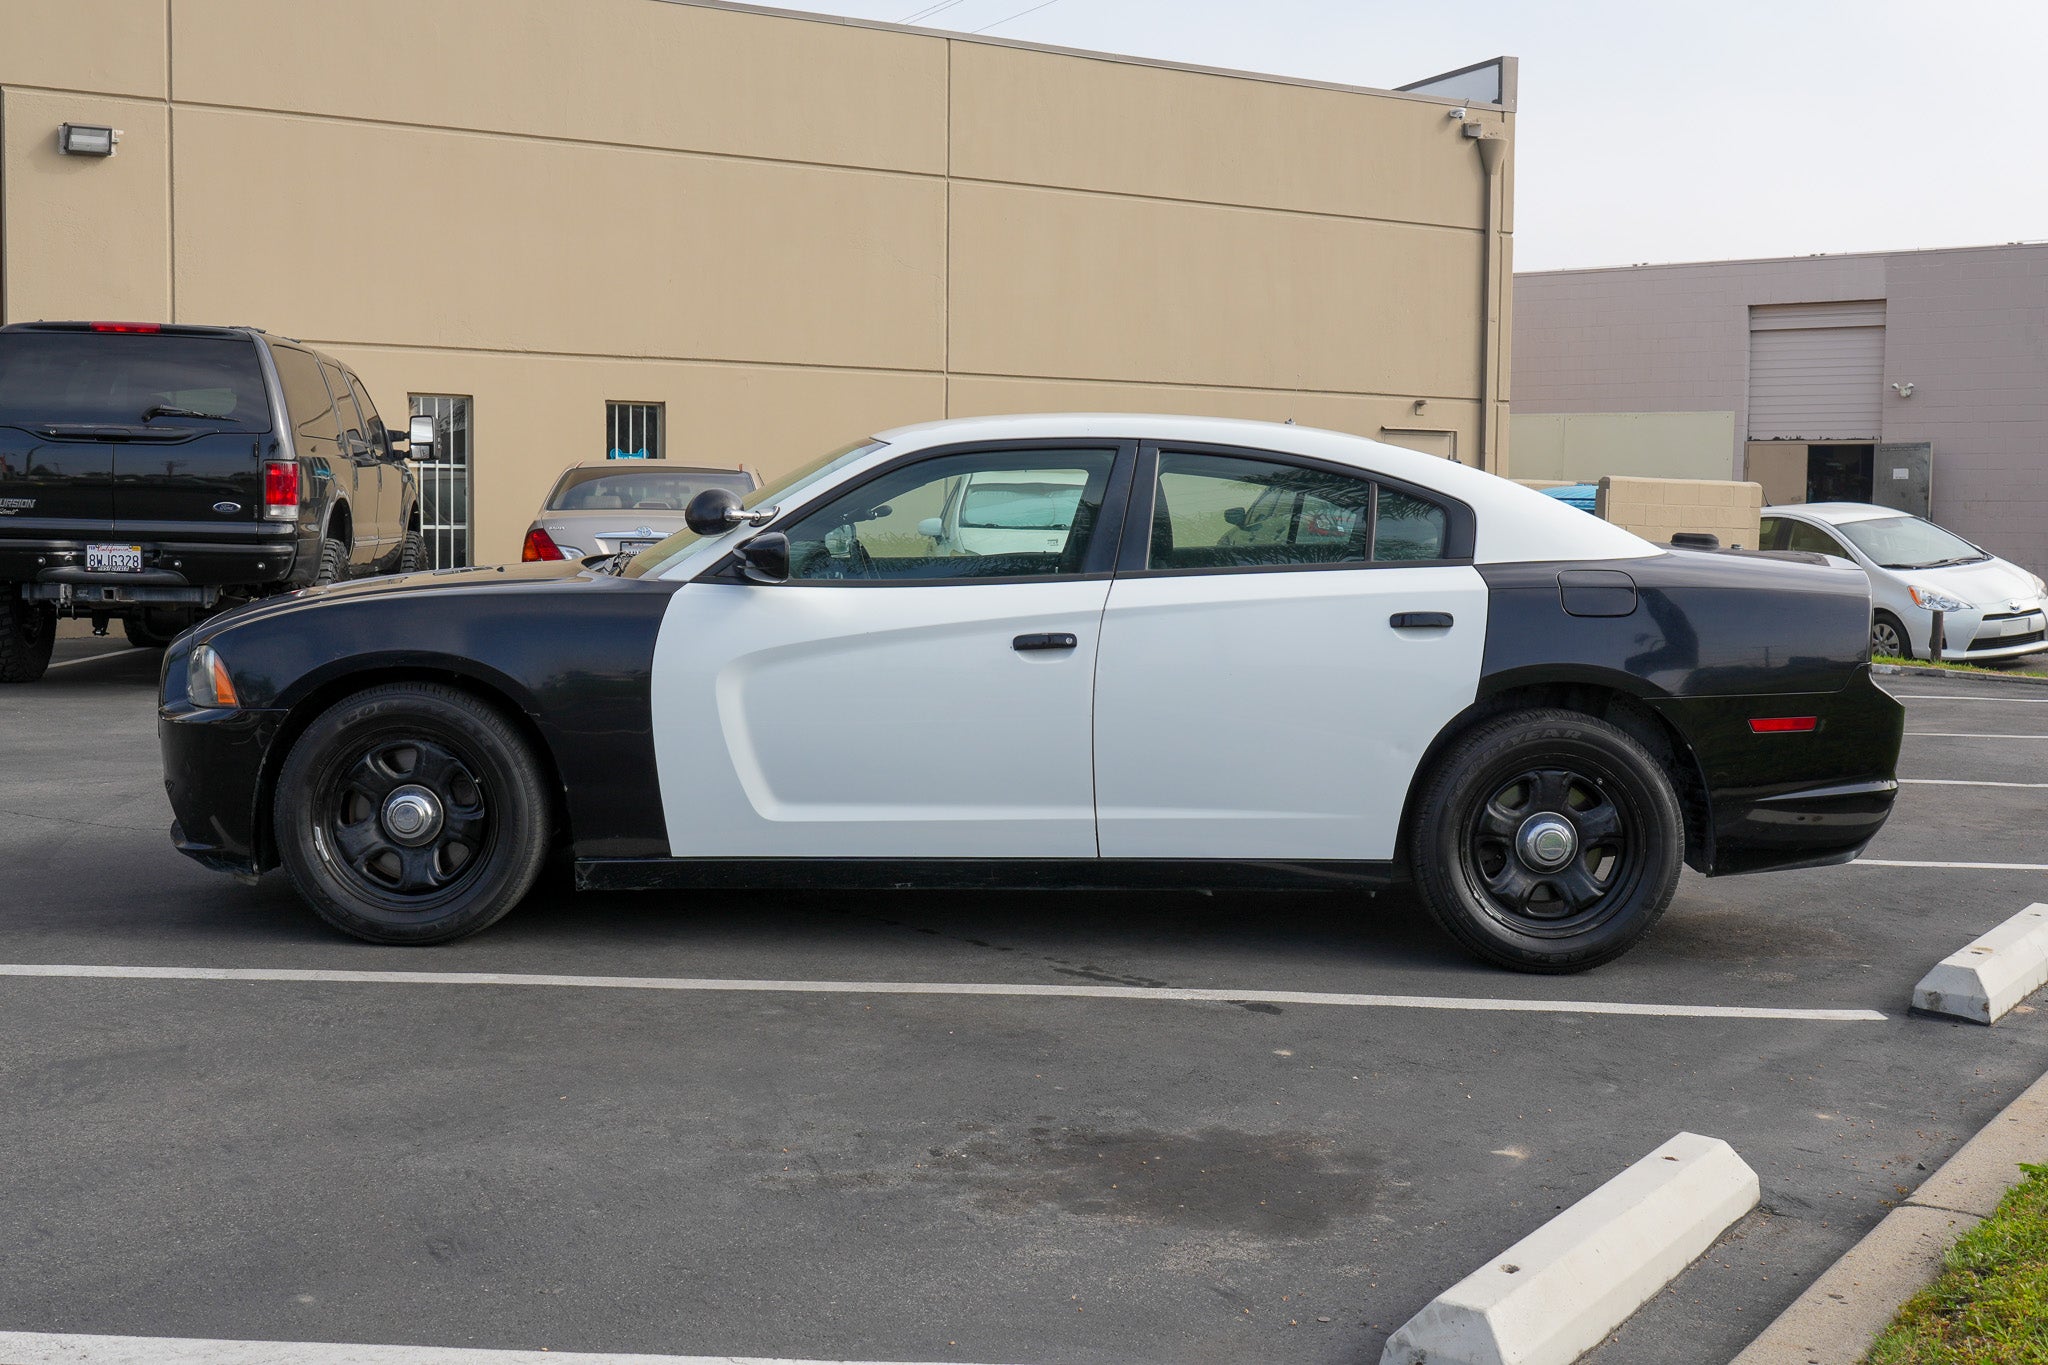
[{"x": 86, "y": 139}]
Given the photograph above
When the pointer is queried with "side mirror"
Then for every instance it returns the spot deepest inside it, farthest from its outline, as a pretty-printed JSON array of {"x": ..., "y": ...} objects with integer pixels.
[
  {"x": 765, "y": 558},
  {"x": 1234, "y": 515},
  {"x": 935, "y": 527},
  {"x": 420, "y": 436},
  {"x": 712, "y": 512}
]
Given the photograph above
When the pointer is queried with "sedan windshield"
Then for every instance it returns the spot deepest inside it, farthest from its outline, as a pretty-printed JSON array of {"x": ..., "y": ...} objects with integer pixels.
[
  {"x": 651, "y": 490},
  {"x": 656, "y": 558},
  {"x": 1909, "y": 543}
]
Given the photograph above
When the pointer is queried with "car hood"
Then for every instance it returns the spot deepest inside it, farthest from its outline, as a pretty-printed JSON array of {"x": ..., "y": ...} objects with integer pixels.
[
  {"x": 485, "y": 579},
  {"x": 1990, "y": 583}
]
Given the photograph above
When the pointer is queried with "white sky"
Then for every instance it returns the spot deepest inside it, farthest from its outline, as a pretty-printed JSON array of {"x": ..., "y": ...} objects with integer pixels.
[{"x": 1664, "y": 130}]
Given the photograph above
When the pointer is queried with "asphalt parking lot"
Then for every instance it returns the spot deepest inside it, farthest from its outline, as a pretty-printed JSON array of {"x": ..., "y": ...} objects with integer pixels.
[{"x": 940, "y": 1177}]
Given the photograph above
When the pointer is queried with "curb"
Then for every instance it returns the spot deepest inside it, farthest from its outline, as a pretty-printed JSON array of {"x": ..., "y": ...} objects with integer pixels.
[
  {"x": 1962, "y": 674},
  {"x": 1841, "y": 1313},
  {"x": 1981, "y": 981},
  {"x": 1555, "y": 1294}
]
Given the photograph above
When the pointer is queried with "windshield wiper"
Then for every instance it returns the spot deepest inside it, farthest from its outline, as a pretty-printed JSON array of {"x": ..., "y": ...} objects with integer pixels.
[{"x": 167, "y": 410}]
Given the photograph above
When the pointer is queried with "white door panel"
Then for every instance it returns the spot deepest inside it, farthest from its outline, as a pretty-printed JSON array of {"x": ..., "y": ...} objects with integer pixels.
[
  {"x": 854, "y": 722},
  {"x": 1275, "y": 715}
]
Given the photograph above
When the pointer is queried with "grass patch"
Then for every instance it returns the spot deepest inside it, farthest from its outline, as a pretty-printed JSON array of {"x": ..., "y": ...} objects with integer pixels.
[
  {"x": 1990, "y": 1306},
  {"x": 1951, "y": 667}
]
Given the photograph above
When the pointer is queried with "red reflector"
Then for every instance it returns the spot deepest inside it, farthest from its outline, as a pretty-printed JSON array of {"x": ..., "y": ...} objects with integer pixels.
[
  {"x": 539, "y": 545},
  {"x": 142, "y": 328},
  {"x": 281, "y": 484},
  {"x": 1783, "y": 725}
]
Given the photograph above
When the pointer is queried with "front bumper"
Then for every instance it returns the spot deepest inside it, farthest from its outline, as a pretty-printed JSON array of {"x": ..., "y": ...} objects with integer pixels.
[
  {"x": 213, "y": 774},
  {"x": 1981, "y": 633}
]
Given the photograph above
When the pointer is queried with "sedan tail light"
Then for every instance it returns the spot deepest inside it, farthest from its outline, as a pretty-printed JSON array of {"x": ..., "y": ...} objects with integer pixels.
[
  {"x": 281, "y": 490},
  {"x": 539, "y": 545},
  {"x": 1784, "y": 725}
]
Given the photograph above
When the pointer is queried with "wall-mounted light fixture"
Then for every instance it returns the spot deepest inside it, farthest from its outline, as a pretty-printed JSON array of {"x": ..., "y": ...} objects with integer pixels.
[
  {"x": 1903, "y": 390},
  {"x": 86, "y": 139}
]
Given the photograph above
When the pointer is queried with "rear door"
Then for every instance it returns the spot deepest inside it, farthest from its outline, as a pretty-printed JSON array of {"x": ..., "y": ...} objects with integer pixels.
[
  {"x": 368, "y": 470},
  {"x": 1275, "y": 657},
  {"x": 390, "y": 473}
]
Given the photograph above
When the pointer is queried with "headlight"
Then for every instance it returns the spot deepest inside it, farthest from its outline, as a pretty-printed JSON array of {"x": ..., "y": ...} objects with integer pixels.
[
  {"x": 1935, "y": 600},
  {"x": 2040, "y": 587},
  {"x": 206, "y": 679}
]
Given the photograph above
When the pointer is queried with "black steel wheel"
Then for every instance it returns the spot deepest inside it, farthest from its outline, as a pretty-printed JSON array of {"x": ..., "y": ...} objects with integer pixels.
[
  {"x": 411, "y": 813},
  {"x": 28, "y": 632},
  {"x": 1547, "y": 840}
]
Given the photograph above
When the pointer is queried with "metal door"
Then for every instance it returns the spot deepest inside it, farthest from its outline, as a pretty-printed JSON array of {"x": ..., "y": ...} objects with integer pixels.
[{"x": 1904, "y": 477}]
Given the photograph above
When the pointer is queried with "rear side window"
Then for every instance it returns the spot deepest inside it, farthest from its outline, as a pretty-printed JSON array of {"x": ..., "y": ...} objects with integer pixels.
[
  {"x": 1231, "y": 512},
  {"x": 344, "y": 402},
  {"x": 305, "y": 395},
  {"x": 114, "y": 379}
]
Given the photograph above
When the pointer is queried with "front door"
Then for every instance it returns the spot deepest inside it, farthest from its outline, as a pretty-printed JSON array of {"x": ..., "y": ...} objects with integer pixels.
[
  {"x": 909, "y": 692},
  {"x": 1277, "y": 658}
]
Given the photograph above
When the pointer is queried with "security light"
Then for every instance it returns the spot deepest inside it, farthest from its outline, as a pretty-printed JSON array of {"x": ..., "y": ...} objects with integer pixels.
[{"x": 85, "y": 139}]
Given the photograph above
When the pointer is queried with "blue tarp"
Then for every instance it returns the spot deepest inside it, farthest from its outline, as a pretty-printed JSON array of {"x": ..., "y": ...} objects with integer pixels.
[{"x": 1584, "y": 496}]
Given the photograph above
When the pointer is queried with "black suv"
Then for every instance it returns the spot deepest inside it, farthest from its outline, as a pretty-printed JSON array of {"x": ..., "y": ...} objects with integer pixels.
[{"x": 159, "y": 473}]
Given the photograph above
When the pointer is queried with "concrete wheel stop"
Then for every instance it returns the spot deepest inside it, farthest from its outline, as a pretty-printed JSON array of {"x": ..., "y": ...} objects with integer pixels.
[
  {"x": 1555, "y": 1294},
  {"x": 1982, "y": 981}
]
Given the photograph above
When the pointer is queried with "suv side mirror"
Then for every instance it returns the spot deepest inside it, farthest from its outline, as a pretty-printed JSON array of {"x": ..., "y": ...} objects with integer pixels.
[
  {"x": 711, "y": 511},
  {"x": 420, "y": 436},
  {"x": 765, "y": 558}
]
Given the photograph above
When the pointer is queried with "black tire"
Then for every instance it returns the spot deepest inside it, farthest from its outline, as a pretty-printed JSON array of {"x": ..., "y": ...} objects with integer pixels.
[
  {"x": 1485, "y": 875},
  {"x": 336, "y": 834},
  {"x": 142, "y": 636},
  {"x": 1899, "y": 645},
  {"x": 28, "y": 631},
  {"x": 333, "y": 563},
  {"x": 412, "y": 556}
]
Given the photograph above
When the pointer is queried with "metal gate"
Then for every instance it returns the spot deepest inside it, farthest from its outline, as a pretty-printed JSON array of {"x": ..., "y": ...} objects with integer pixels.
[{"x": 444, "y": 480}]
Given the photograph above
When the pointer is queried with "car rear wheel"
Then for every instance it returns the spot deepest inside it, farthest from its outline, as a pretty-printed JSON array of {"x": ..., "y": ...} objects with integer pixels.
[
  {"x": 28, "y": 631},
  {"x": 1888, "y": 637},
  {"x": 152, "y": 632},
  {"x": 1547, "y": 841},
  {"x": 410, "y": 814}
]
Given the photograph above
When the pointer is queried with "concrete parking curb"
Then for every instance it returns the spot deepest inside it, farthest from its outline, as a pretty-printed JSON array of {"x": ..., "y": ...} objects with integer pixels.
[
  {"x": 1963, "y": 675},
  {"x": 1984, "y": 979},
  {"x": 1841, "y": 1313},
  {"x": 1552, "y": 1296}
]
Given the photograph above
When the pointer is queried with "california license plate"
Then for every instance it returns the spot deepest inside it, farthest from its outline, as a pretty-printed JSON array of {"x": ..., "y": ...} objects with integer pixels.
[
  {"x": 113, "y": 559},
  {"x": 634, "y": 547}
]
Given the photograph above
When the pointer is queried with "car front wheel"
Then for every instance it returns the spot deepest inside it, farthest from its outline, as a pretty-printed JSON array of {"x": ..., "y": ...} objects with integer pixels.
[
  {"x": 1887, "y": 637},
  {"x": 1547, "y": 841},
  {"x": 410, "y": 814}
]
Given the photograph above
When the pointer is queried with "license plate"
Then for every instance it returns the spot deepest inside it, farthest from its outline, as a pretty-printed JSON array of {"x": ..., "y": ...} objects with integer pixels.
[
  {"x": 634, "y": 547},
  {"x": 113, "y": 559}
]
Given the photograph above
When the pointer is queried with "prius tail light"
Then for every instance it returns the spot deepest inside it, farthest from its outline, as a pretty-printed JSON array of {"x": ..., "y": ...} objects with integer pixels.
[
  {"x": 539, "y": 546},
  {"x": 281, "y": 490},
  {"x": 1784, "y": 725}
]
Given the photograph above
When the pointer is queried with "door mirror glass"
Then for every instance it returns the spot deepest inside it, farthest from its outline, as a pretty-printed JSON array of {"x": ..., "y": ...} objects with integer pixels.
[
  {"x": 420, "y": 436},
  {"x": 765, "y": 558}
]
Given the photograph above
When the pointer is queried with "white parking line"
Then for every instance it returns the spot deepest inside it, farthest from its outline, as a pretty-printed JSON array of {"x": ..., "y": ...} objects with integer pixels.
[
  {"x": 1961, "y": 782},
  {"x": 1981, "y": 867},
  {"x": 1951, "y": 734},
  {"x": 50, "y": 1348},
  {"x": 95, "y": 658},
  {"x": 991, "y": 988}
]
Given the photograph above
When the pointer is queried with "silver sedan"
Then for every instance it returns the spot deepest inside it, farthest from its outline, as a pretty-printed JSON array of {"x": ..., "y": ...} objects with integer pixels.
[{"x": 603, "y": 507}]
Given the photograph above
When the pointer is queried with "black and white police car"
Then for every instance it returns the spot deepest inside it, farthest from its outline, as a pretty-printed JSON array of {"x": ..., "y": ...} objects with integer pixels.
[{"x": 1151, "y": 651}]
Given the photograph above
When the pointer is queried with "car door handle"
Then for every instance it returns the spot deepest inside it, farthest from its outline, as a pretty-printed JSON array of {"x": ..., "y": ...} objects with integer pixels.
[
  {"x": 1053, "y": 640},
  {"x": 1420, "y": 620}
]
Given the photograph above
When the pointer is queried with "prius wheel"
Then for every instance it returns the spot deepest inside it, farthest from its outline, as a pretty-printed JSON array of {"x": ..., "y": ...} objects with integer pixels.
[
  {"x": 1887, "y": 637},
  {"x": 1547, "y": 841},
  {"x": 411, "y": 814}
]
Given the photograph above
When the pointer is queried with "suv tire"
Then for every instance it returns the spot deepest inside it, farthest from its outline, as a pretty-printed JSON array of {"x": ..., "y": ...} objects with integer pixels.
[
  {"x": 333, "y": 563},
  {"x": 28, "y": 631},
  {"x": 412, "y": 556},
  {"x": 411, "y": 813},
  {"x": 142, "y": 636},
  {"x": 1547, "y": 841}
]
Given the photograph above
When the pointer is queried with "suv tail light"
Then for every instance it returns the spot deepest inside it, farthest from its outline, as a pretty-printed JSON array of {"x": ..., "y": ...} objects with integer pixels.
[
  {"x": 281, "y": 490},
  {"x": 539, "y": 545}
]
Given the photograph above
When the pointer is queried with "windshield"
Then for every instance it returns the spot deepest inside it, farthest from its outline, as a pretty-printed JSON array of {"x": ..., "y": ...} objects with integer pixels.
[
  {"x": 1909, "y": 543},
  {"x": 657, "y": 558},
  {"x": 650, "y": 490},
  {"x": 110, "y": 379}
]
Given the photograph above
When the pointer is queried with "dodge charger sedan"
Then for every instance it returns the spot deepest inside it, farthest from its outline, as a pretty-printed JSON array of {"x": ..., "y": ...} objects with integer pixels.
[{"x": 1247, "y": 656}]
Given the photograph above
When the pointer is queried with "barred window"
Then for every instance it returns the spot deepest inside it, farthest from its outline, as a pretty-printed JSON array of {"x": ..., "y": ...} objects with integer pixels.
[
  {"x": 444, "y": 479},
  {"x": 632, "y": 431}
]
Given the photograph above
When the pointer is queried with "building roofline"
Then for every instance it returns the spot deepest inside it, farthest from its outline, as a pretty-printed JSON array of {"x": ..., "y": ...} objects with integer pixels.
[
  {"x": 1508, "y": 74},
  {"x": 2032, "y": 245}
]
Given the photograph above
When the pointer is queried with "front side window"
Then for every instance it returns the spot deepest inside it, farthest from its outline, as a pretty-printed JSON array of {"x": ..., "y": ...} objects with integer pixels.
[
  {"x": 1811, "y": 540},
  {"x": 984, "y": 514},
  {"x": 1228, "y": 511}
]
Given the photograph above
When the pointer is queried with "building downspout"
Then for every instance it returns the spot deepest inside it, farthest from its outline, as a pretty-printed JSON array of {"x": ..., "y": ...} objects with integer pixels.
[{"x": 1492, "y": 152}]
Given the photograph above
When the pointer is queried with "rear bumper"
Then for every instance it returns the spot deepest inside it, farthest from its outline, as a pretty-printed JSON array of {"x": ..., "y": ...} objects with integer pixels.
[
  {"x": 1805, "y": 827},
  {"x": 213, "y": 770},
  {"x": 267, "y": 556}
]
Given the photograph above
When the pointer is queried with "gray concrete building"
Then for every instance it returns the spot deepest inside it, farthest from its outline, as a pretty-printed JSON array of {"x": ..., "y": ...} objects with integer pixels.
[{"x": 1916, "y": 379}]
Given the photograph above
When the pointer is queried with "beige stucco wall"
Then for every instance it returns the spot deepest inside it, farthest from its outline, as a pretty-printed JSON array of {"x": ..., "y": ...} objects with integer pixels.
[
  {"x": 1656, "y": 509},
  {"x": 790, "y": 231},
  {"x": 1580, "y": 447}
]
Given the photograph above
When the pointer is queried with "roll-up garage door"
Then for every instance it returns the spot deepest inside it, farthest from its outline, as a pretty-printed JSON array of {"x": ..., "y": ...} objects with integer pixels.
[{"x": 1816, "y": 371}]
